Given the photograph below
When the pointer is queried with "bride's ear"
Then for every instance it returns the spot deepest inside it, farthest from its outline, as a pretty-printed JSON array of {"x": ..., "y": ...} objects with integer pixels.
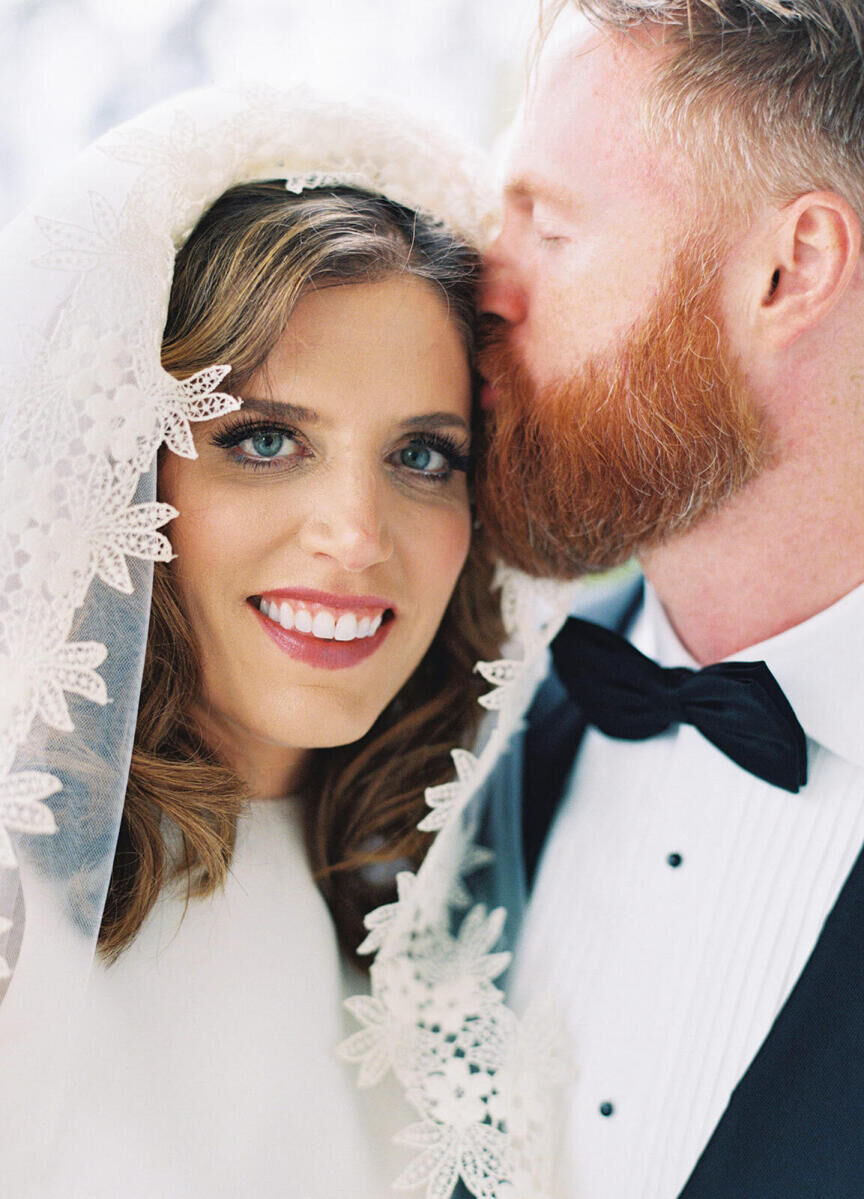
[{"x": 806, "y": 262}]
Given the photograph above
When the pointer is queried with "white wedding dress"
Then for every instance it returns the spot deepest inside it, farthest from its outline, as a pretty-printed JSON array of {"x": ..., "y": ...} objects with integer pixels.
[{"x": 206, "y": 1067}]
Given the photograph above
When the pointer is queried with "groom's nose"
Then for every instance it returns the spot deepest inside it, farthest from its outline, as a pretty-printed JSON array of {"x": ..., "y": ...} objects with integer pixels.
[{"x": 501, "y": 293}]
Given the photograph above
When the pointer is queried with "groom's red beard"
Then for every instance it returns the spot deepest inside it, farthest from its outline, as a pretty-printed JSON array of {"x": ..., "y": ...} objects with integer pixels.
[{"x": 637, "y": 445}]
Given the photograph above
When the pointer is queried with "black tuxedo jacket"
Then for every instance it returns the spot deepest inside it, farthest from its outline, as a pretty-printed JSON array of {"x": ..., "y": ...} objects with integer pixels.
[{"x": 794, "y": 1126}]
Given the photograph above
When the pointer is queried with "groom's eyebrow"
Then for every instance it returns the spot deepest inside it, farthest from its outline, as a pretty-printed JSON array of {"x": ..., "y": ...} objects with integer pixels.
[{"x": 530, "y": 187}]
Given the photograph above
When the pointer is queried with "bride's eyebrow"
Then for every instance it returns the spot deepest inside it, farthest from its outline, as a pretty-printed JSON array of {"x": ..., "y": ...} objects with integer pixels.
[
  {"x": 435, "y": 420},
  {"x": 280, "y": 410}
]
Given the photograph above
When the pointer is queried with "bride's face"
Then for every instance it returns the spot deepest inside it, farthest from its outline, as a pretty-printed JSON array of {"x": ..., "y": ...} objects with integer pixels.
[{"x": 323, "y": 526}]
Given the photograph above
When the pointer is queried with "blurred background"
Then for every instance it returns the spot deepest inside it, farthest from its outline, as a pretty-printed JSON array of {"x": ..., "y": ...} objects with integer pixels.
[{"x": 69, "y": 69}]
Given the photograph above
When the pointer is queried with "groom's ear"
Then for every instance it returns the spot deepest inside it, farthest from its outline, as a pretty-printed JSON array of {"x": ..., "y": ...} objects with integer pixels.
[{"x": 804, "y": 262}]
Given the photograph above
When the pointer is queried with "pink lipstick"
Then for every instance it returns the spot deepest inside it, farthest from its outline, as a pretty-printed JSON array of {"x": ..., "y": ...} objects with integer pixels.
[{"x": 324, "y": 629}]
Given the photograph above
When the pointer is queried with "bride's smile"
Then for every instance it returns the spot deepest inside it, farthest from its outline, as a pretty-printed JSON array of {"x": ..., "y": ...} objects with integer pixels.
[
  {"x": 259, "y": 682},
  {"x": 325, "y": 617}
]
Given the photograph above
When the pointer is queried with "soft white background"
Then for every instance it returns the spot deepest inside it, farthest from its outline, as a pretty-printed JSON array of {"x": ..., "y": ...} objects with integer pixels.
[{"x": 69, "y": 69}]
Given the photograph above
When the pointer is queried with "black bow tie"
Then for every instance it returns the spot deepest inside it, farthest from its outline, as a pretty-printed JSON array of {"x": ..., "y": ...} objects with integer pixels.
[{"x": 738, "y": 706}]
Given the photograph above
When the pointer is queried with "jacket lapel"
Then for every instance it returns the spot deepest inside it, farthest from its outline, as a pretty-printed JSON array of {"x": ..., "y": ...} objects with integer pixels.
[
  {"x": 794, "y": 1127},
  {"x": 555, "y": 731}
]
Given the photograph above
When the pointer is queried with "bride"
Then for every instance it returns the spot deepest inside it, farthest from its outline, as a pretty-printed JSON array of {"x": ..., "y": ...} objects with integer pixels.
[
  {"x": 281, "y": 420},
  {"x": 237, "y": 346}
]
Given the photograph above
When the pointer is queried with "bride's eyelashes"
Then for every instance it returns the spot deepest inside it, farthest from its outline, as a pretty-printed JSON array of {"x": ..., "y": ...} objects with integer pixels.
[
  {"x": 432, "y": 457},
  {"x": 423, "y": 458},
  {"x": 261, "y": 444}
]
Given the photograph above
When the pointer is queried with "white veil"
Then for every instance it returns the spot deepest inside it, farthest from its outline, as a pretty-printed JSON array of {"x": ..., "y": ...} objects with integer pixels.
[
  {"x": 84, "y": 405},
  {"x": 484, "y": 1083}
]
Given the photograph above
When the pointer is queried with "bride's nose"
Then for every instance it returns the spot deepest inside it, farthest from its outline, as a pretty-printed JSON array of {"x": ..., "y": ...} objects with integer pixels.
[{"x": 347, "y": 520}]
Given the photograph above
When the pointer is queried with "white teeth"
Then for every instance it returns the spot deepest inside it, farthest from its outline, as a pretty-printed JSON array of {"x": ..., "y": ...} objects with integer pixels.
[
  {"x": 346, "y": 627},
  {"x": 323, "y": 626}
]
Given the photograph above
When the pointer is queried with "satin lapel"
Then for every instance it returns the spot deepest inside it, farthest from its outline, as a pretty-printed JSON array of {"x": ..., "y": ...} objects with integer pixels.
[
  {"x": 794, "y": 1127},
  {"x": 554, "y": 735},
  {"x": 555, "y": 731}
]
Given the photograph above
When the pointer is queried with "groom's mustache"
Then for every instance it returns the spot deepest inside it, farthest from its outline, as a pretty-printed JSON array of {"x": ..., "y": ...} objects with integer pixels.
[{"x": 635, "y": 445}]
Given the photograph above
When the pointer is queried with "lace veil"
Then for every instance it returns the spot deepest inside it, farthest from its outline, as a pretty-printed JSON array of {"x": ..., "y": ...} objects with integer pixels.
[{"x": 84, "y": 283}]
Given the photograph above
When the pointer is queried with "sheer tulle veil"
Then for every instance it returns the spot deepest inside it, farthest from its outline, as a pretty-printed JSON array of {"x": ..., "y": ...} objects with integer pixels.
[{"x": 84, "y": 282}]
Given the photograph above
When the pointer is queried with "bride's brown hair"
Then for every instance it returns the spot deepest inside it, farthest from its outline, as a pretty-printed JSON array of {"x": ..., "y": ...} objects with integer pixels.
[{"x": 236, "y": 281}]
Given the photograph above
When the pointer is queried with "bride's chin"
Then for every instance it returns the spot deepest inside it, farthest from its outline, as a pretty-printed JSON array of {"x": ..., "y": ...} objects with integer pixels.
[{"x": 283, "y": 730}]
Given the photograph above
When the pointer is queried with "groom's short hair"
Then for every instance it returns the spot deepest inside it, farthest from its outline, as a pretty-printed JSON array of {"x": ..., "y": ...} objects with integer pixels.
[{"x": 766, "y": 95}]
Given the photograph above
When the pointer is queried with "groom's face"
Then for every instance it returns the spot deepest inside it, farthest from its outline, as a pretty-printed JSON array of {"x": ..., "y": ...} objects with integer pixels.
[
  {"x": 620, "y": 416},
  {"x": 590, "y": 211}
]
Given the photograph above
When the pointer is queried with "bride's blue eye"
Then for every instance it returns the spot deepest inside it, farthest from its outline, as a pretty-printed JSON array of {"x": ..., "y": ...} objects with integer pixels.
[
  {"x": 258, "y": 445},
  {"x": 423, "y": 458},
  {"x": 432, "y": 458},
  {"x": 268, "y": 444}
]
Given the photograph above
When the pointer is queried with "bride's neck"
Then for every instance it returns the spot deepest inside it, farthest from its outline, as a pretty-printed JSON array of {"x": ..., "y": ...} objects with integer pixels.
[
  {"x": 268, "y": 771},
  {"x": 272, "y": 776}
]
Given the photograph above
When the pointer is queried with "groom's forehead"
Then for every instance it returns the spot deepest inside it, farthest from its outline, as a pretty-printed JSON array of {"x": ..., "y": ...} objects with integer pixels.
[
  {"x": 595, "y": 69},
  {"x": 582, "y": 117}
]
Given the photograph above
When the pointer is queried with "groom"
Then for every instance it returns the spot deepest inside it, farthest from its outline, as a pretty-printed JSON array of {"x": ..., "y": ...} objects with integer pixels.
[{"x": 676, "y": 371}]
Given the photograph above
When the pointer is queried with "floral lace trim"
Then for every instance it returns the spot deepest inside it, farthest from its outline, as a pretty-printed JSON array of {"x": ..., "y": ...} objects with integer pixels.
[
  {"x": 483, "y": 1082},
  {"x": 100, "y": 528},
  {"x": 57, "y": 556}
]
